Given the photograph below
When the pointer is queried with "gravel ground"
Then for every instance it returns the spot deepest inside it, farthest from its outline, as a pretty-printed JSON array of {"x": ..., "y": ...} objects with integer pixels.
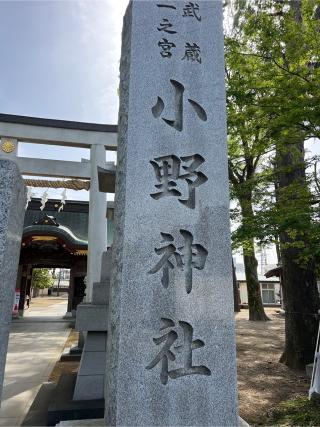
[{"x": 263, "y": 382}]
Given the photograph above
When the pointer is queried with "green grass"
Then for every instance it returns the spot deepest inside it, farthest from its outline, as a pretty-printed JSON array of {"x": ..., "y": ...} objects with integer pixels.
[{"x": 299, "y": 411}]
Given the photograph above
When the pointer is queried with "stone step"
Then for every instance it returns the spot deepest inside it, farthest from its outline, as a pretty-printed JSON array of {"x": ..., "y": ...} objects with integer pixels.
[
  {"x": 63, "y": 407},
  {"x": 77, "y": 423},
  {"x": 91, "y": 317},
  {"x": 96, "y": 341},
  {"x": 106, "y": 265},
  {"x": 100, "y": 293}
]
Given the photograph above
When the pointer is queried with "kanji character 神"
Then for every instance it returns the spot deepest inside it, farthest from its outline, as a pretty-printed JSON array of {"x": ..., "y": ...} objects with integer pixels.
[
  {"x": 181, "y": 352},
  {"x": 186, "y": 258}
]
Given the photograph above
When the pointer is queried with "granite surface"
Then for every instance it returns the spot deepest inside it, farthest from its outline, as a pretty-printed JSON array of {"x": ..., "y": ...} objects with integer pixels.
[
  {"x": 92, "y": 317},
  {"x": 171, "y": 342},
  {"x": 12, "y": 203}
]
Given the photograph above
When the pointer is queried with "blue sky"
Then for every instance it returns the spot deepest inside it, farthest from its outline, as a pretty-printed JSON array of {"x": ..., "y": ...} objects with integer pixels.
[{"x": 60, "y": 60}]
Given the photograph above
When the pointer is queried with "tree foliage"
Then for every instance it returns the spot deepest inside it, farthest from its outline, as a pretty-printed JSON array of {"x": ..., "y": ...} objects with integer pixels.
[
  {"x": 42, "y": 278},
  {"x": 273, "y": 75},
  {"x": 273, "y": 92}
]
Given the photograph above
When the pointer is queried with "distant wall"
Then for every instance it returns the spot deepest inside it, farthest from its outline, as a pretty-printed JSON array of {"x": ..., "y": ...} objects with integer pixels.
[{"x": 270, "y": 292}]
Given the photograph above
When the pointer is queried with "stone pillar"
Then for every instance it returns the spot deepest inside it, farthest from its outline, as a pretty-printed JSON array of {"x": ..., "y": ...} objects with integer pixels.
[
  {"x": 19, "y": 276},
  {"x": 12, "y": 203},
  {"x": 22, "y": 287},
  {"x": 29, "y": 282},
  {"x": 92, "y": 319},
  {"x": 171, "y": 341},
  {"x": 71, "y": 291},
  {"x": 97, "y": 232}
]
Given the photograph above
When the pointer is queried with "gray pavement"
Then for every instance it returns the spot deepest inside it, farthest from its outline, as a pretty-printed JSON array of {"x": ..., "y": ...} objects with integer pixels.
[{"x": 35, "y": 345}]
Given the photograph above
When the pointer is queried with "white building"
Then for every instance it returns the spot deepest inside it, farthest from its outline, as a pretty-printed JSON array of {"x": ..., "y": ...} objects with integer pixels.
[{"x": 270, "y": 289}]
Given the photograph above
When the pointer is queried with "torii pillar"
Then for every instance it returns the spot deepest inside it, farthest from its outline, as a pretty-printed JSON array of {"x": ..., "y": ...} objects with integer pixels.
[{"x": 97, "y": 231}]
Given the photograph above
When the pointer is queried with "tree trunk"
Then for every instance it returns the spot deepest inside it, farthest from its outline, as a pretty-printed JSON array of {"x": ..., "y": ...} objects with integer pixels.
[
  {"x": 278, "y": 252},
  {"x": 256, "y": 310},
  {"x": 301, "y": 304},
  {"x": 236, "y": 295},
  {"x": 300, "y": 292}
]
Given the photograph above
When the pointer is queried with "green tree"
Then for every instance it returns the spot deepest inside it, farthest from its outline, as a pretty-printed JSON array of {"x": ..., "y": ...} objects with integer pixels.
[
  {"x": 247, "y": 141},
  {"x": 283, "y": 38},
  {"x": 42, "y": 278}
]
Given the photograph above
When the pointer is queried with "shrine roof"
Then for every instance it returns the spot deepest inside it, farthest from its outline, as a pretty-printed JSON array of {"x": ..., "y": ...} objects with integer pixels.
[
  {"x": 59, "y": 231},
  {"x": 74, "y": 216}
]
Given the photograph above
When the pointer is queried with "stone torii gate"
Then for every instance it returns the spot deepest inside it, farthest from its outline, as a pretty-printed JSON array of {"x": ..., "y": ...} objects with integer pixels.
[{"x": 96, "y": 137}]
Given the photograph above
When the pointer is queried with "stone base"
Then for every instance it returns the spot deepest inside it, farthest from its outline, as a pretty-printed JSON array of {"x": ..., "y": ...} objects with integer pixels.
[
  {"x": 100, "y": 422},
  {"x": 91, "y": 317},
  {"x": 62, "y": 406},
  {"x": 76, "y": 350},
  {"x": 90, "y": 379},
  {"x": 38, "y": 412},
  {"x": 69, "y": 315},
  {"x": 70, "y": 356},
  {"x": 94, "y": 422}
]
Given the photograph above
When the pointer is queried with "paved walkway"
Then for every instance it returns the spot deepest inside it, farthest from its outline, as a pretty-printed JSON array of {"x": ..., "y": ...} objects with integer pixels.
[{"x": 35, "y": 344}]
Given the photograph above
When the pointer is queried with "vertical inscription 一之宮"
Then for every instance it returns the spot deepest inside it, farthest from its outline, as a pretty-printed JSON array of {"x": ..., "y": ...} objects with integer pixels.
[
  {"x": 177, "y": 123},
  {"x": 181, "y": 335},
  {"x": 164, "y": 44},
  {"x": 168, "y": 173},
  {"x": 187, "y": 257}
]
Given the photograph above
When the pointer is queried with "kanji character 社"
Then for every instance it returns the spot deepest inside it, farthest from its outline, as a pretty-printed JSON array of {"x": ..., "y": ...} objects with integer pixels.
[{"x": 181, "y": 352}]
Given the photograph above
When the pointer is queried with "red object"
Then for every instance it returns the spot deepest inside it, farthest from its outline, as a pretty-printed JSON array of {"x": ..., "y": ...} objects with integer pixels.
[{"x": 15, "y": 308}]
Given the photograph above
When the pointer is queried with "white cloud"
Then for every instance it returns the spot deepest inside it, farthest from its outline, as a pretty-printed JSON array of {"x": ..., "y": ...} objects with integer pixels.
[{"x": 101, "y": 26}]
